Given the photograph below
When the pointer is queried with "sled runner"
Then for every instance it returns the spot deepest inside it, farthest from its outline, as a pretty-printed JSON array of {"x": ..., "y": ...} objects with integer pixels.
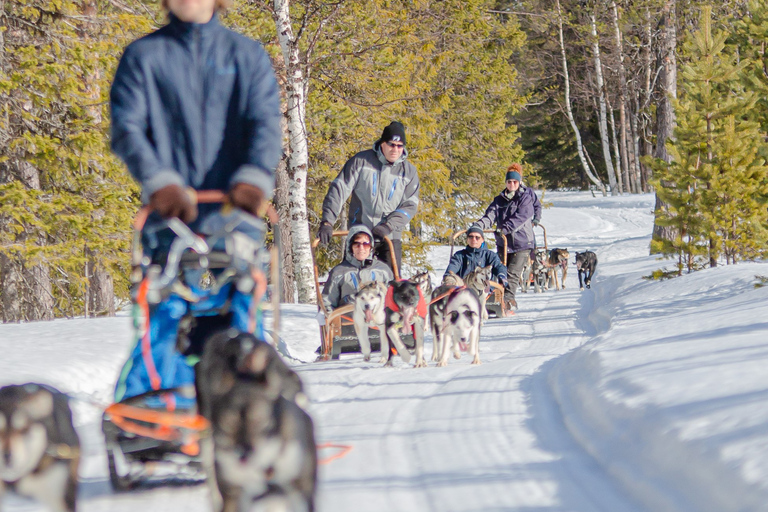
[
  {"x": 208, "y": 282},
  {"x": 338, "y": 334},
  {"x": 494, "y": 302}
]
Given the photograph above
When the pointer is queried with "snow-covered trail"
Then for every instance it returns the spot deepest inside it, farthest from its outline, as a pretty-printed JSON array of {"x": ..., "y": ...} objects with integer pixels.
[{"x": 460, "y": 438}]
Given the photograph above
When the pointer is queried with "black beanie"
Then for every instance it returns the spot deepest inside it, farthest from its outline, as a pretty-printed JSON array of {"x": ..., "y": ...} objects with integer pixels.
[{"x": 395, "y": 131}]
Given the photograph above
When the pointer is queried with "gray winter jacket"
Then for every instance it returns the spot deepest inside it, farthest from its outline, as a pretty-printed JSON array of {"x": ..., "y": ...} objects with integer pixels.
[
  {"x": 382, "y": 193},
  {"x": 346, "y": 277}
]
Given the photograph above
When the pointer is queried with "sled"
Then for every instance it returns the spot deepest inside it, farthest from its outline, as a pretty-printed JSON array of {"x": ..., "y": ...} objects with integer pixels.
[
  {"x": 538, "y": 281},
  {"x": 338, "y": 335},
  {"x": 494, "y": 302},
  {"x": 159, "y": 435}
]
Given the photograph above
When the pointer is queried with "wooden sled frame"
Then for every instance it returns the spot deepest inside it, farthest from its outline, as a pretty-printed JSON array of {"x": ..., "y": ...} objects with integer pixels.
[
  {"x": 494, "y": 303},
  {"x": 338, "y": 334}
]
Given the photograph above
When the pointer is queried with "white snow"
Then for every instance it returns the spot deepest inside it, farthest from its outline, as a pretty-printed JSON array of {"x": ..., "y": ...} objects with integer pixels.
[{"x": 635, "y": 395}]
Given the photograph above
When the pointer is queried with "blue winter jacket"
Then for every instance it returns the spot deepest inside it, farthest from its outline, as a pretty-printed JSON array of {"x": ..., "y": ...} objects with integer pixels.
[
  {"x": 469, "y": 258},
  {"x": 513, "y": 217},
  {"x": 196, "y": 105}
]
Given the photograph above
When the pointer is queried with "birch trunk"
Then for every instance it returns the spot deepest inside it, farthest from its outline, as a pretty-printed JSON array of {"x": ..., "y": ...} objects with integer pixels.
[
  {"x": 625, "y": 160},
  {"x": 603, "y": 119},
  {"x": 569, "y": 113},
  {"x": 615, "y": 144},
  {"x": 288, "y": 291},
  {"x": 298, "y": 154},
  {"x": 665, "y": 114}
]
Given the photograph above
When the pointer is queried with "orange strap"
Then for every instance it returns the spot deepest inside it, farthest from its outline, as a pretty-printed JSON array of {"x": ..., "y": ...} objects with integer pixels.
[
  {"x": 344, "y": 449},
  {"x": 146, "y": 344}
]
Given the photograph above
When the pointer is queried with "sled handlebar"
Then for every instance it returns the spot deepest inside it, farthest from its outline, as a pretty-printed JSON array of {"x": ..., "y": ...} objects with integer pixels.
[{"x": 200, "y": 197}]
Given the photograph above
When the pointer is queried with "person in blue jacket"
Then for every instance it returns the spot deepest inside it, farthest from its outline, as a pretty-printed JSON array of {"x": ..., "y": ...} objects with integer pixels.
[
  {"x": 194, "y": 106},
  {"x": 477, "y": 255},
  {"x": 513, "y": 213}
]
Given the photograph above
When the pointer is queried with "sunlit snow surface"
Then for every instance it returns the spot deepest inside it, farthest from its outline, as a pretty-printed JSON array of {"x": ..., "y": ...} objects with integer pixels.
[{"x": 632, "y": 396}]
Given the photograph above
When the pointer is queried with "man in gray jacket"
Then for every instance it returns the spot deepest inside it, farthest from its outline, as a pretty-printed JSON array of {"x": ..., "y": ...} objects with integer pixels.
[{"x": 384, "y": 187}]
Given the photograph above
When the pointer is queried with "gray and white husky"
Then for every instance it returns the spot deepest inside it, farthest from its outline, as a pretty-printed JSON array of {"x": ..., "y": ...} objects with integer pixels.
[
  {"x": 39, "y": 447},
  {"x": 479, "y": 281},
  {"x": 369, "y": 312},
  {"x": 461, "y": 325}
]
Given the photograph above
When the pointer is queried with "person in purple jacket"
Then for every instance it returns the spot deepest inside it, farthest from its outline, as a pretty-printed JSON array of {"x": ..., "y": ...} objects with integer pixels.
[{"x": 513, "y": 213}]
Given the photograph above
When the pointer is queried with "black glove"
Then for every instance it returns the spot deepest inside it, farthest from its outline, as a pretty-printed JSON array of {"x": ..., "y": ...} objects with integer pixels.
[
  {"x": 174, "y": 201},
  {"x": 381, "y": 231},
  {"x": 247, "y": 197},
  {"x": 325, "y": 233}
]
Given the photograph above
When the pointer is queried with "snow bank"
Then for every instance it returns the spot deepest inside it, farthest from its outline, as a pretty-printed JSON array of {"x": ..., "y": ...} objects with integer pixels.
[{"x": 671, "y": 395}]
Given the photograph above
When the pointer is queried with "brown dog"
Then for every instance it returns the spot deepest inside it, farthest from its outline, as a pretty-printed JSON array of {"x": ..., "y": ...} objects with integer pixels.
[{"x": 558, "y": 258}]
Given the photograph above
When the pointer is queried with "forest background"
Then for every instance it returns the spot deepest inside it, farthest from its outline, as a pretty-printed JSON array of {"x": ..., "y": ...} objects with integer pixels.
[{"x": 623, "y": 97}]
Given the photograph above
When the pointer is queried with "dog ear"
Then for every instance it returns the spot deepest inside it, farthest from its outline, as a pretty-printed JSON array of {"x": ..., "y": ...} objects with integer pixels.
[{"x": 39, "y": 405}]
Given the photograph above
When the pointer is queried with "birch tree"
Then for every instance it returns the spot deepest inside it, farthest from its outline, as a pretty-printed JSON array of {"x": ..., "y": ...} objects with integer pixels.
[
  {"x": 603, "y": 118},
  {"x": 568, "y": 110}
]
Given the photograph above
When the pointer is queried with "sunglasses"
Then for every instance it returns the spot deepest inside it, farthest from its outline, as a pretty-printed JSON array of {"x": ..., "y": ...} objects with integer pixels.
[
  {"x": 475, "y": 236},
  {"x": 361, "y": 244},
  {"x": 396, "y": 145}
]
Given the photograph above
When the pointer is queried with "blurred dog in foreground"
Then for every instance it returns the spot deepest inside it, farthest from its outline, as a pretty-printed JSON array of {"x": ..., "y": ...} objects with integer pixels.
[{"x": 39, "y": 447}]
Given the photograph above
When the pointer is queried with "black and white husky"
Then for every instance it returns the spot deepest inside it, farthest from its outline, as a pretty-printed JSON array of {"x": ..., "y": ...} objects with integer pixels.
[
  {"x": 406, "y": 312},
  {"x": 369, "y": 312},
  {"x": 39, "y": 448},
  {"x": 461, "y": 325},
  {"x": 586, "y": 263}
]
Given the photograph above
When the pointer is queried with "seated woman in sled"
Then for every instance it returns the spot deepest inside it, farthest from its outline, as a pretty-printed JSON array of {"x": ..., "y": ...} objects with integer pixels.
[{"x": 359, "y": 266}]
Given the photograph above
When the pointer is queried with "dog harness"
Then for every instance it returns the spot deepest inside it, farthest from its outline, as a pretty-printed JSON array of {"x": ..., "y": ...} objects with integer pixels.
[{"x": 421, "y": 307}]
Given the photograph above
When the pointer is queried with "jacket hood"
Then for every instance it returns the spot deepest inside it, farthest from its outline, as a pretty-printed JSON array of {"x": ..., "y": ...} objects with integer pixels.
[
  {"x": 349, "y": 255},
  {"x": 383, "y": 159}
]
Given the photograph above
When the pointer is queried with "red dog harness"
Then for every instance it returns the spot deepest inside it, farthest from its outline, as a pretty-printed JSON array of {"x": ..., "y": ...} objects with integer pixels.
[{"x": 421, "y": 307}]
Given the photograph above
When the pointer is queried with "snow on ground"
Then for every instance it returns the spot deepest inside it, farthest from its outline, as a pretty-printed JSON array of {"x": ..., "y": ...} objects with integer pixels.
[{"x": 632, "y": 396}]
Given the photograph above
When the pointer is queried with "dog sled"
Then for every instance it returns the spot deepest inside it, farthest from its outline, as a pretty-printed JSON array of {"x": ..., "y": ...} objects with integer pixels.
[
  {"x": 494, "y": 302},
  {"x": 338, "y": 334},
  {"x": 159, "y": 435},
  {"x": 536, "y": 273}
]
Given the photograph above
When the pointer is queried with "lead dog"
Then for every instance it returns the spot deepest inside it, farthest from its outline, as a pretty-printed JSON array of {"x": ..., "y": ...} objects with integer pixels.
[
  {"x": 264, "y": 447},
  {"x": 461, "y": 325},
  {"x": 558, "y": 258},
  {"x": 39, "y": 447},
  {"x": 406, "y": 312},
  {"x": 540, "y": 270},
  {"x": 479, "y": 281},
  {"x": 369, "y": 312},
  {"x": 586, "y": 263}
]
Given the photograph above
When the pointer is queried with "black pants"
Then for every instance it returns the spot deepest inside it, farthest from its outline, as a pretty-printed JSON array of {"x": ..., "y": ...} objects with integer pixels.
[
  {"x": 515, "y": 263},
  {"x": 382, "y": 253}
]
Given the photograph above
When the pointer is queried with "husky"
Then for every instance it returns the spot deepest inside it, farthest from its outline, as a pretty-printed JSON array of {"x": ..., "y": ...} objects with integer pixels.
[
  {"x": 230, "y": 355},
  {"x": 265, "y": 450},
  {"x": 436, "y": 317},
  {"x": 452, "y": 279},
  {"x": 461, "y": 325},
  {"x": 586, "y": 263},
  {"x": 525, "y": 274},
  {"x": 39, "y": 447},
  {"x": 369, "y": 312},
  {"x": 424, "y": 281},
  {"x": 540, "y": 270},
  {"x": 264, "y": 446},
  {"x": 406, "y": 311},
  {"x": 479, "y": 281},
  {"x": 558, "y": 258}
]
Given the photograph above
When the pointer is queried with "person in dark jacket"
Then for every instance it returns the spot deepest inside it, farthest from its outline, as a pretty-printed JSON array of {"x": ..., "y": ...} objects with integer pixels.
[
  {"x": 195, "y": 106},
  {"x": 384, "y": 187},
  {"x": 359, "y": 266},
  {"x": 475, "y": 255},
  {"x": 512, "y": 211}
]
